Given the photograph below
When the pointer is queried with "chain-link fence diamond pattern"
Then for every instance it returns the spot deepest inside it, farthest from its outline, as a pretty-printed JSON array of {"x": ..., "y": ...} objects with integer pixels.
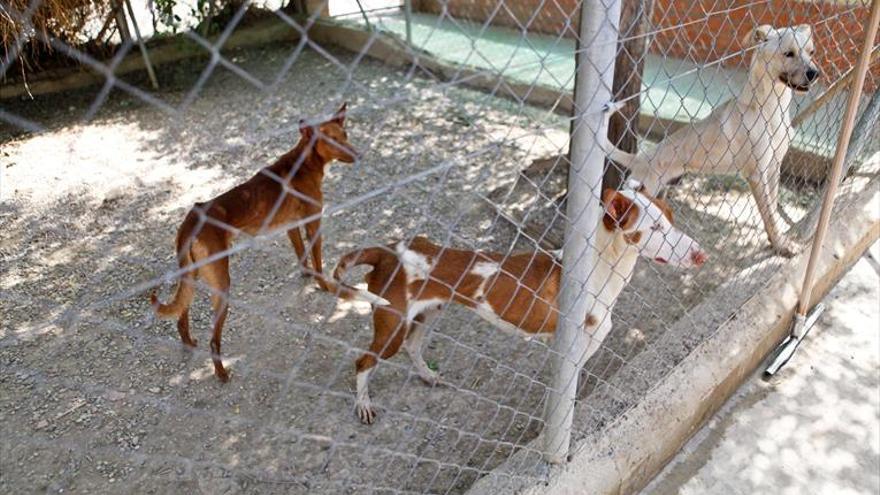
[{"x": 461, "y": 115}]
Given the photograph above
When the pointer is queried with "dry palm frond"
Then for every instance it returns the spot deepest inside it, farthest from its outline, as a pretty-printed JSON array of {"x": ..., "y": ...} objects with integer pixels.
[{"x": 36, "y": 20}]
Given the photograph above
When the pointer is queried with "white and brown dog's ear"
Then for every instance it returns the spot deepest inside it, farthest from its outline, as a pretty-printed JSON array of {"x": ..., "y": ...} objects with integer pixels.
[
  {"x": 339, "y": 116},
  {"x": 620, "y": 212},
  {"x": 635, "y": 185},
  {"x": 758, "y": 35},
  {"x": 805, "y": 29}
]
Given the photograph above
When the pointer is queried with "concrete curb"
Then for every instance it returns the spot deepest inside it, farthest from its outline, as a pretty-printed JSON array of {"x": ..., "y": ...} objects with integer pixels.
[
  {"x": 166, "y": 51},
  {"x": 394, "y": 52},
  {"x": 625, "y": 455}
]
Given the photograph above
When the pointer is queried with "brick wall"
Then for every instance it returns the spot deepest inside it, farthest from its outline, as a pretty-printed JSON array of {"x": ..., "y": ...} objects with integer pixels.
[
  {"x": 553, "y": 17},
  {"x": 698, "y": 30},
  {"x": 838, "y": 30}
]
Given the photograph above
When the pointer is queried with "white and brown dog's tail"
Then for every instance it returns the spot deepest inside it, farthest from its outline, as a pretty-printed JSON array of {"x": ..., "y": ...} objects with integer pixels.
[{"x": 369, "y": 256}]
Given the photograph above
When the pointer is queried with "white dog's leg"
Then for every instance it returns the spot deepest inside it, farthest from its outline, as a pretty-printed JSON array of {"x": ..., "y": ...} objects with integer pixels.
[
  {"x": 773, "y": 175},
  {"x": 596, "y": 335},
  {"x": 765, "y": 189}
]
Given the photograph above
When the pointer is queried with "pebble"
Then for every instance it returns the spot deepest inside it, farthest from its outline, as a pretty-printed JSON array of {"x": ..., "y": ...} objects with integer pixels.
[{"x": 114, "y": 395}]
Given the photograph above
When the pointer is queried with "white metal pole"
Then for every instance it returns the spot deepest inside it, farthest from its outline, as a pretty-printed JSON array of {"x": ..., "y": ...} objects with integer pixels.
[{"x": 599, "y": 26}]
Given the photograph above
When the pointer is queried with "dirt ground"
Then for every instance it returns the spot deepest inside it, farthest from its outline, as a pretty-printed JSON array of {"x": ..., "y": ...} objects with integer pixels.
[{"x": 98, "y": 396}]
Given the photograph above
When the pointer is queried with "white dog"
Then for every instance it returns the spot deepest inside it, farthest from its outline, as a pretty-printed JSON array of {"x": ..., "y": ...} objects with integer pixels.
[{"x": 749, "y": 134}]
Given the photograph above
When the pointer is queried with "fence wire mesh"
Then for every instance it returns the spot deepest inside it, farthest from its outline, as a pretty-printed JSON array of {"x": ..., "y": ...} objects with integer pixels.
[{"x": 458, "y": 122}]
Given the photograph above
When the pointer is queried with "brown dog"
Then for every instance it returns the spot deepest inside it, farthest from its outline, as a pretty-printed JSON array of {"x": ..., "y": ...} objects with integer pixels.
[{"x": 286, "y": 191}]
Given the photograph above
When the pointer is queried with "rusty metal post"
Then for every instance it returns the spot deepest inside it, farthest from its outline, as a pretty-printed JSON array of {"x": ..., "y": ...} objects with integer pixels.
[{"x": 801, "y": 327}]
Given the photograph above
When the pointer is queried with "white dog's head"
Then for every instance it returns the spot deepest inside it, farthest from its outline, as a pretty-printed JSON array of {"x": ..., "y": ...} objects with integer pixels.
[{"x": 786, "y": 54}]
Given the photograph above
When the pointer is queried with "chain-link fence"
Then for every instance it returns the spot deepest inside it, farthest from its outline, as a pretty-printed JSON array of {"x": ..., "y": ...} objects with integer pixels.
[{"x": 466, "y": 181}]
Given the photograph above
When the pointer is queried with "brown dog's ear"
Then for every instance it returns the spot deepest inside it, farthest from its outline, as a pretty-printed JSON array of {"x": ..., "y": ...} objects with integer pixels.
[
  {"x": 619, "y": 210},
  {"x": 758, "y": 35},
  {"x": 305, "y": 129},
  {"x": 339, "y": 116}
]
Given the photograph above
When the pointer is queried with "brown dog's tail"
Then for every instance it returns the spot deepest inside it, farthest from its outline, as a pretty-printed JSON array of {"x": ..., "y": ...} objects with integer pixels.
[
  {"x": 370, "y": 256},
  {"x": 183, "y": 295}
]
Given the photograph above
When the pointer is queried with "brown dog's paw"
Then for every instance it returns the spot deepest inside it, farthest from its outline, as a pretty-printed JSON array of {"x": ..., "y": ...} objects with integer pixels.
[
  {"x": 365, "y": 412},
  {"x": 324, "y": 285},
  {"x": 222, "y": 375},
  {"x": 430, "y": 378}
]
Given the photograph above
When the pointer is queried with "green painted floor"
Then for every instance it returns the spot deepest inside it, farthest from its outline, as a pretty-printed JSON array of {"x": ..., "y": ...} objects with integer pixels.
[{"x": 673, "y": 89}]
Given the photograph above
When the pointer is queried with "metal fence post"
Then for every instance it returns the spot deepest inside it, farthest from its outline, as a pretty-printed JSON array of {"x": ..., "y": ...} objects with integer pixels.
[
  {"x": 849, "y": 117},
  {"x": 595, "y": 74}
]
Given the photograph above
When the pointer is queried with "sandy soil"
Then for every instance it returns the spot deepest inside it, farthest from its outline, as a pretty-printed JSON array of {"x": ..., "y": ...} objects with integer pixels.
[{"x": 97, "y": 396}]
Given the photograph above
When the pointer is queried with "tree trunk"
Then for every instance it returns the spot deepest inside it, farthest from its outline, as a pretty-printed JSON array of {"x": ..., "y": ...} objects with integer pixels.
[
  {"x": 296, "y": 7},
  {"x": 635, "y": 18}
]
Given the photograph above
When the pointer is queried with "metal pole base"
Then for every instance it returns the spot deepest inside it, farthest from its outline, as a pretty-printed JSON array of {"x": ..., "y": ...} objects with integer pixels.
[{"x": 800, "y": 328}]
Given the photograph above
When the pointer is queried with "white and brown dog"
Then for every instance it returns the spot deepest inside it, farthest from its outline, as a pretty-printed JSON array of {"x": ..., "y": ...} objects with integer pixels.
[
  {"x": 517, "y": 293},
  {"x": 749, "y": 134}
]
